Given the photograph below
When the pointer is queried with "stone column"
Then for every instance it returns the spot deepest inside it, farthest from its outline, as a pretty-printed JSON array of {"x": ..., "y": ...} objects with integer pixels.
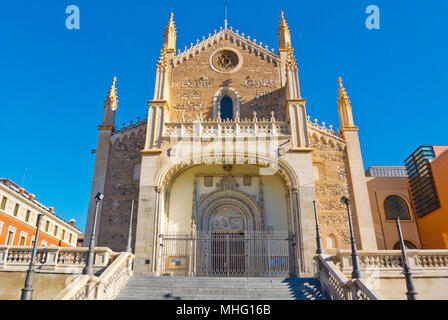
[
  {"x": 146, "y": 215},
  {"x": 363, "y": 219}
]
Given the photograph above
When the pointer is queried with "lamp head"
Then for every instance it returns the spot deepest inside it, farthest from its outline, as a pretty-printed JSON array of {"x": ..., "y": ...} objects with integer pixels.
[
  {"x": 345, "y": 200},
  {"x": 99, "y": 196}
]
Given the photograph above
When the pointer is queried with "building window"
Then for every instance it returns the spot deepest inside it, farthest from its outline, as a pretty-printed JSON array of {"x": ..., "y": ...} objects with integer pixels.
[
  {"x": 226, "y": 108},
  {"x": 47, "y": 226},
  {"x": 27, "y": 215},
  {"x": 407, "y": 244},
  {"x": 55, "y": 230},
  {"x": 44, "y": 243},
  {"x": 70, "y": 238},
  {"x": 32, "y": 240},
  {"x": 63, "y": 235},
  {"x": 395, "y": 206},
  {"x": 22, "y": 241},
  {"x": 3, "y": 204},
  {"x": 16, "y": 210},
  {"x": 10, "y": 238}
]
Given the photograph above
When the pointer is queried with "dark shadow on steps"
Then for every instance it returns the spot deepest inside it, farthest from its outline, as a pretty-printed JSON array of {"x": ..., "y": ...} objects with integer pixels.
[{"x": 305, "y": 289}]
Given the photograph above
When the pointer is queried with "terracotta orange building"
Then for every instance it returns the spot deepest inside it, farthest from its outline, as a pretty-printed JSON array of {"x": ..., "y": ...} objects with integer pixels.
[
  {"x": 428, "y": 180},
  {"x": 19, "y": 210}
]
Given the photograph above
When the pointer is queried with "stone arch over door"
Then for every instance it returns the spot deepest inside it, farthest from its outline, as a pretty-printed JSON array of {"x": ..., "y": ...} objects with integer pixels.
[{"x": 228, "y": 210}]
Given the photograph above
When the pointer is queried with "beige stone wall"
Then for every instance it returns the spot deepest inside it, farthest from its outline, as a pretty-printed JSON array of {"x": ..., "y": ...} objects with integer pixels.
[
  {"x": 263, "y": 99},
  {"x": 46, "y": 285}
]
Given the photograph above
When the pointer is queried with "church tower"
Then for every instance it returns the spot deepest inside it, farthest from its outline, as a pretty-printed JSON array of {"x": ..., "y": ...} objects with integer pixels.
[
  {"x": 101, "y": 158},
  {"x": 360, "y": 196}
]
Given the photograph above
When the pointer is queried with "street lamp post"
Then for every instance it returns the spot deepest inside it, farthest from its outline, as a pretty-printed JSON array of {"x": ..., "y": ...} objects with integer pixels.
[
  {"x": 318, "y": 239},
  {"x": 27, "y": 291},
  {"x": 129, "y": 247},
  {"x": 411, "y": 293},
  {"x": 356, "y": 274},
  {"x": 88, "y": 269}
]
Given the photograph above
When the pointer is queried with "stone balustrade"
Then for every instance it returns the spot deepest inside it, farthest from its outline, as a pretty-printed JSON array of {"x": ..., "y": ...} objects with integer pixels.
[
  {"x": 106, "y": 286},
  {"x": 337, "y": 286},
  {"x": 390, "y": 261},
  {"x": 51, "y": 259},
  {"x": 214, "y": 129}
]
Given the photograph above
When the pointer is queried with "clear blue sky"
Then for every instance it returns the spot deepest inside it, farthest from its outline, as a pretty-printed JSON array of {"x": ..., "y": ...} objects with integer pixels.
[{"x": 53, "y": 81}]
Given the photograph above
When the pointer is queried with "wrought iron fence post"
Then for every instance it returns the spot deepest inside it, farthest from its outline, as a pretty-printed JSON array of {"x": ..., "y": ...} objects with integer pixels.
[
  {"x": 318, "y": 239},
  {"x": 27, "y": 291},
  {"x": 356, "y": 274},
  {"x": 411, "y": 293}
]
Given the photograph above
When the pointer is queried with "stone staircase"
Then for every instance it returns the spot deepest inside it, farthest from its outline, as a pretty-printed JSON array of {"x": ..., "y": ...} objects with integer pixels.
[{"x": 214, "y": 288}]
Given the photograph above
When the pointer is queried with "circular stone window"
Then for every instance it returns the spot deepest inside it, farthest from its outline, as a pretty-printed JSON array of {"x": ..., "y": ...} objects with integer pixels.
[{"x": 225, "y": 60}]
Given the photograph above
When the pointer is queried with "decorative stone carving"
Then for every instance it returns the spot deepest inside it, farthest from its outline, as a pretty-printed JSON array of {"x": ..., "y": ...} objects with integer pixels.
[
  {"x": 208, "y": 181},
  {"x": 227, "y": 219},
  {"x": 225, "y": 60},
  {"x": 188, "y": 106},
  {"x": 332, "y": 219},
  {"x": 247, "y": 181},
  {"x": 188, "y": 94},
  {"x": 201, "y": 82},
  {"x": 331, "y": 189},
  {"x": 257, "y": 83},
  {"x": 330, "y": 204},
  {"x": 227, "y": 183}
]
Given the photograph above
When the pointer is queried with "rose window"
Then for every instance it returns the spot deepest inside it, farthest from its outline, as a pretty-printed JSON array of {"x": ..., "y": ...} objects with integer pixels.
[{"x": 225, "y": 60}]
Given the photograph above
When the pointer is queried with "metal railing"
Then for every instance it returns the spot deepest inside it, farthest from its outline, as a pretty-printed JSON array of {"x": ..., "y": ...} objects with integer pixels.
[{"x": 259, "y": 253}]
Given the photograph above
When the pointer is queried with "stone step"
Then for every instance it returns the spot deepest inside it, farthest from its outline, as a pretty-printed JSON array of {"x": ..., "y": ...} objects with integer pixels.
[{"x": 214, "y": 288}]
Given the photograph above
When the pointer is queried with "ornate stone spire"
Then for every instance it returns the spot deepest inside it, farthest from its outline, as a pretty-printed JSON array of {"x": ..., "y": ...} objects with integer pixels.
[
  {"x": 110, "y": 106},
  {"x": 344, "y": 108},
  {"x": 283, "y": 34},
  {"x": 162, "y": 64},
  {"x": 169, "y": 37},
  {"x": 111, "y": 99}
]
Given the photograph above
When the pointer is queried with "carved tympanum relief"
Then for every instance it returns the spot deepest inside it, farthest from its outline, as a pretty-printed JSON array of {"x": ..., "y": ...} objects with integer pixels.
[{"x": 227, "y": 219}]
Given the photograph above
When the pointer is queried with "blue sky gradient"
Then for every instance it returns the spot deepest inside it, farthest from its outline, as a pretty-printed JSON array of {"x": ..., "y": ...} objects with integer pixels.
[{"x": 53, "y": 81}]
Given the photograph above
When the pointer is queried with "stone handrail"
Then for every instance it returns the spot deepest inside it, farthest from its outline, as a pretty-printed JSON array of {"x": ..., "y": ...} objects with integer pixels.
[
  {"x": 390, "y": 260},
  {"x": 337, "y": 286},
  {"x": 105, "y": 287},
  {"x": 51, "y": 259},
  {"x": 212, "y": 129}
]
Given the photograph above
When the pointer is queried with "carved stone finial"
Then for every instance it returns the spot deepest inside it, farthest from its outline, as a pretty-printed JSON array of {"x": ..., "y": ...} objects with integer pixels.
[
  {"x": 237, "y": 116},
  {"x": 111, "y": 99},
  {"x": 219, "y": 117},
  {"x": 255, "y": 116},
  {"x": 272, "y": 116}
]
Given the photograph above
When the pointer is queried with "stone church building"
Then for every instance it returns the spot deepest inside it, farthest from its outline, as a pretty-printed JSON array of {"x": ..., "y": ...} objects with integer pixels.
[{"x": 226, "y": 167}]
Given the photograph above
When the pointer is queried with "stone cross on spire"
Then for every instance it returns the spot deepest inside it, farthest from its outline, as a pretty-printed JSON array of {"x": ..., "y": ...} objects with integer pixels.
[{"x": 225, "y": 18}]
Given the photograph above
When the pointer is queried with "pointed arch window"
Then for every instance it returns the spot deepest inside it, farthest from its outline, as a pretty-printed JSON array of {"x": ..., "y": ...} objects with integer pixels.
[{"x": 226, "y": 108}]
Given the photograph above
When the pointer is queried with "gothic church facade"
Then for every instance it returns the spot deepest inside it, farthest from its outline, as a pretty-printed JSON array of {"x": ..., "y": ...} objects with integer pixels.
[{"x": 227, "y": 165}]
